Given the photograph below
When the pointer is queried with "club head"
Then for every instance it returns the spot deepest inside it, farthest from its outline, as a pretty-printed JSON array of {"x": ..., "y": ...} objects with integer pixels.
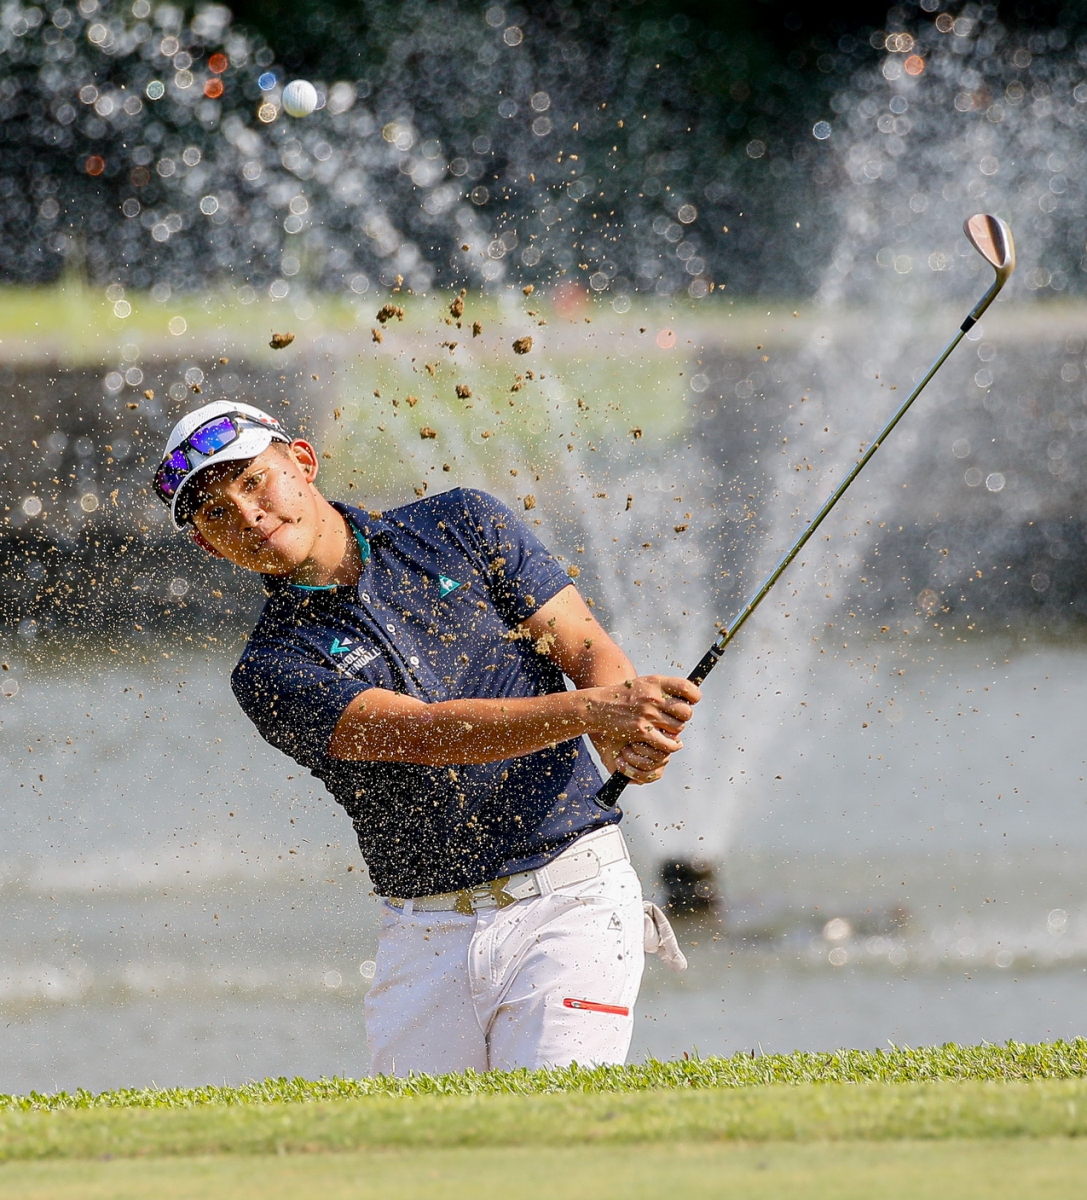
[{"x": 992, "y": 239}]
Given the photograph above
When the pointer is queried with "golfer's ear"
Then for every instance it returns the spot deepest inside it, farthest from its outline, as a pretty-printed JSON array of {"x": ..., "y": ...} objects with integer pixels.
[
  {"x": 306, "y": 456},
  {"x": 204, "y": 544}
]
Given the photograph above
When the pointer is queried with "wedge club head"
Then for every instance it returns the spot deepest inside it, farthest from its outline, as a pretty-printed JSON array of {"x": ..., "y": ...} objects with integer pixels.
[{"x": 992, "y": 239}]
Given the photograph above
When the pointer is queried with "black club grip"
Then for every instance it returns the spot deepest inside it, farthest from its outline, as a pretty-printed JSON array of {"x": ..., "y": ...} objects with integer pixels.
[{"x": 609, "y": 794}]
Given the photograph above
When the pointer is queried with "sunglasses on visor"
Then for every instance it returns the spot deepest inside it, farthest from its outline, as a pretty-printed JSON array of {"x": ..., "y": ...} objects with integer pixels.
[{"x": 206, "y": 441}]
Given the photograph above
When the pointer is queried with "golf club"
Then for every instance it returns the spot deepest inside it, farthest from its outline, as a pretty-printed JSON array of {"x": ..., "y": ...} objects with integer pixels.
[{"x": 992, "y": 239}]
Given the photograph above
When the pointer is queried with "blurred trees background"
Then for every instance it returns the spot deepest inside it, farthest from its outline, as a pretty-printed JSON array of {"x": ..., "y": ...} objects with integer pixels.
[{"x": 552, "y": 140}]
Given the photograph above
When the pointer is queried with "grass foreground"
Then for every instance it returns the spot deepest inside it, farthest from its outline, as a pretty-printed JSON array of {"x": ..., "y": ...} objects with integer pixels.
[
  {"x": 970, "y": 1121},
  {"x": 1043, "y": 1170}
]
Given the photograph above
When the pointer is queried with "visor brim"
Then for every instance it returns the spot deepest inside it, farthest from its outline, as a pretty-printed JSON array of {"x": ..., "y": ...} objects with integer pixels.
[{"x": 249, "y": 443}]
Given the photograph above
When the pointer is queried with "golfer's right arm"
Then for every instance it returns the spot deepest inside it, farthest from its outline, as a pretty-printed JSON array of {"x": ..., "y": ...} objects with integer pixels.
[{"x": 385, "y": 726}]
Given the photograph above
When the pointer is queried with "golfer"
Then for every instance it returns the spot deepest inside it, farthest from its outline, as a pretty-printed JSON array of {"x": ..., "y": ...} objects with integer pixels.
[{"x": 413, "y": 661}]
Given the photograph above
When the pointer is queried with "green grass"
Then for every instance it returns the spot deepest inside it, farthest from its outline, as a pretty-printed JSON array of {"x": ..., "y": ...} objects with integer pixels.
[
  {"x": 1006, "y": 1091},
  {"x": 1019, "y": 1061},
  {"x": 801, "y": 1113},
  {"x": 1043, "y": 1170},
  {"x": 75, "y": 324},
  {"x": 981, "y": 1121}
]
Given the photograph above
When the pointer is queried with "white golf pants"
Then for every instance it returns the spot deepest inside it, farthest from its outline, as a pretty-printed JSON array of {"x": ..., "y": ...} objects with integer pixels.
[{"x": 544, "y": 982}]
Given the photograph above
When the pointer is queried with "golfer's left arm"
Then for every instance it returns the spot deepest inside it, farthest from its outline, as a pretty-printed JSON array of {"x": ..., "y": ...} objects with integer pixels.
[{"x": 566, "y": 630}]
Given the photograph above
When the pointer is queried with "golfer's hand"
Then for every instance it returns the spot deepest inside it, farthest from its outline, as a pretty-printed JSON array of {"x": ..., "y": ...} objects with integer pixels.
[
  {"x": 642, "y": 763},
  {"x": 639, "y": 724}
]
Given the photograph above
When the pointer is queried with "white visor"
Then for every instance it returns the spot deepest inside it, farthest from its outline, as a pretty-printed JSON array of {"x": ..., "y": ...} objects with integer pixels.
[{"x": 249, "y": 443}]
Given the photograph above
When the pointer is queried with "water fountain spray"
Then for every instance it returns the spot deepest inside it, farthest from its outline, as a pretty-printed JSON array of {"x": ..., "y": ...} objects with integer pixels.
[{"x": 992, "y": 239}]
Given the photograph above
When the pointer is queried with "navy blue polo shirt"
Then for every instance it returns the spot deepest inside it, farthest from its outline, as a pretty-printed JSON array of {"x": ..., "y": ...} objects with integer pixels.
[{"x": 444, "y": 585}]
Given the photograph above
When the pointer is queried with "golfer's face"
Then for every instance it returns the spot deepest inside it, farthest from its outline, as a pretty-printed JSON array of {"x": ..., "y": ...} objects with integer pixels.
[{"x": 263, "y": 517}]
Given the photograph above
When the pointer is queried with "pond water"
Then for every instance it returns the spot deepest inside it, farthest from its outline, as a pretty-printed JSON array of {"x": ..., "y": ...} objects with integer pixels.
[{"x": 900, "y": 840}]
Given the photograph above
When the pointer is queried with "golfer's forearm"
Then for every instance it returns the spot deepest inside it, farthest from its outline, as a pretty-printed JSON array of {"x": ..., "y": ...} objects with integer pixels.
[
  {"x": 601, "y": 665},
  {"x": 387, "y": 728}
]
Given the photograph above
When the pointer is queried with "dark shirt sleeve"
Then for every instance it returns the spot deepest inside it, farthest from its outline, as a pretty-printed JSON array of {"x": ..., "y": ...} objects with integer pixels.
[
  {"x": 522, "y": 575},
  {"x": 293, "y": 701}
]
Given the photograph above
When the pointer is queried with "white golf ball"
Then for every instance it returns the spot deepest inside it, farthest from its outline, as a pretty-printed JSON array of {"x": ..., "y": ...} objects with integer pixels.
[{"x": 299, "y": 98}]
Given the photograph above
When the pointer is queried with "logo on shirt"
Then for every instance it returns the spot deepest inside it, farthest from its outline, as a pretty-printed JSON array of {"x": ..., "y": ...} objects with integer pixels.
[
  {"x": 351, "y": 654},
  {"x": 446, "y": 585}
]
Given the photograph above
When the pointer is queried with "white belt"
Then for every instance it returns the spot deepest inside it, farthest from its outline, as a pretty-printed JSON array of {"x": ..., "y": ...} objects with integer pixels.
[{"x": 583, "y": 860}]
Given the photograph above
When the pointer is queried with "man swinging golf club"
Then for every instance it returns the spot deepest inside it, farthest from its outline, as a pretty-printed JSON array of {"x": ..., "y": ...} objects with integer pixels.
[{"x": 414, "y": 663}]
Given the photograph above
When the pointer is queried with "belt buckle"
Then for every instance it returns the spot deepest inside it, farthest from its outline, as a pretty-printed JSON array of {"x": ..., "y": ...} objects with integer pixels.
[{"x": 471, "y": 900}]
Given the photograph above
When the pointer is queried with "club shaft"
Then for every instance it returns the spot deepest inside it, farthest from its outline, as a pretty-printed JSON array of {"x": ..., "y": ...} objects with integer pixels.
[
  {"x": 613, "y": 788},
  {"x": 709, "y": 659}
]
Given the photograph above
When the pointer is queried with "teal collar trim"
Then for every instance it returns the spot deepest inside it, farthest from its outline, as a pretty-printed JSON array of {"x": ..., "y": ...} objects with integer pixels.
[{"x": 364, "y": 550}]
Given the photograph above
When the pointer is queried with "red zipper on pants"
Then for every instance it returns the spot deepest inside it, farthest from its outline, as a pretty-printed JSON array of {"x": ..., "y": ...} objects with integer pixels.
[{"x": 618, "y": 1009}]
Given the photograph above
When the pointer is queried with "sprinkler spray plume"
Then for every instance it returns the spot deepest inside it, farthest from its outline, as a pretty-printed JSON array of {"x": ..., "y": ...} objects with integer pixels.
[{"x": 992, "y": 239}]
